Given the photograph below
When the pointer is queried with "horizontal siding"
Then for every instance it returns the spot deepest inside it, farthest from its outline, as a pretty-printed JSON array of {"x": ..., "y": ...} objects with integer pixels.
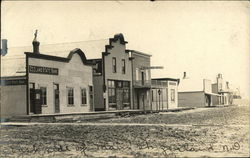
[{"x": 191, "y": 99}]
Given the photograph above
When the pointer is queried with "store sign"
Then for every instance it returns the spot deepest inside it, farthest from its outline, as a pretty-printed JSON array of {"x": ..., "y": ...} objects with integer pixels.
[
  {"x": 43, "y": 70},
  {"x": 13, "y": 82}
]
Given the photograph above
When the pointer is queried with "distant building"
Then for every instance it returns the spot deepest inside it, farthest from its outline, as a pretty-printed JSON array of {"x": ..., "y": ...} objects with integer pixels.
[
  {"x": 113, "y": 77},
  {"x": 46, "y": 84},
  {"x": 225, "y": 93},
  {"x": 195, "y": 93}
]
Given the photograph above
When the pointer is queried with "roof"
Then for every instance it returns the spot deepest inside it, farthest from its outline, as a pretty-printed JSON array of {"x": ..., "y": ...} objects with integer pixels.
[
  {"x": 13, "y": 63},
  {"x": 166, "y": 79}
]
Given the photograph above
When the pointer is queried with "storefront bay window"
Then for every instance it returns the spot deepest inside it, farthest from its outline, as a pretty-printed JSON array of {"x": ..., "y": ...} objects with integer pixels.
[{"x": 111, "y": 94}]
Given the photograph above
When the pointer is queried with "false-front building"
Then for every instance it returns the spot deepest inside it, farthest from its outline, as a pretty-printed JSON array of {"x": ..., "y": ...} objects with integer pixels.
[
  {"x": 46, "y": 84},
  {"x": 225, "y": 94},
  {"x": 113, "y": 77}
]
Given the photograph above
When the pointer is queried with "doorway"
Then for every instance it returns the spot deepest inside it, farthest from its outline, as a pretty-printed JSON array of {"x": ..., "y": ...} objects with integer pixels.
[{"x": 56, "y": 98}]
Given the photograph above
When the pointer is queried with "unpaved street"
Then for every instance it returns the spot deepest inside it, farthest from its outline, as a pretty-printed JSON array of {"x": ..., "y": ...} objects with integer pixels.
[{"x": 200, "y": 132}]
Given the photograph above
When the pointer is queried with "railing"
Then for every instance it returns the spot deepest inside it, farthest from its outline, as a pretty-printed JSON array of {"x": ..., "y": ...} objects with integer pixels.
[
  {"x": 156, "y": 83},
  {"x": 149, "y": 83},
  {"x": 142, "y": 83}
]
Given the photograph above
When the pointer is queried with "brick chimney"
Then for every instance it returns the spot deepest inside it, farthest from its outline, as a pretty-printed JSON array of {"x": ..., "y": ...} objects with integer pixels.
[{"x": 35, "y": 44}]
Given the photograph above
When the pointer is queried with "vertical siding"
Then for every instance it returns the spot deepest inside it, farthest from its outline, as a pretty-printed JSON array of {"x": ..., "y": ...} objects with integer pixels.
[{"x": 98, "y": 92}]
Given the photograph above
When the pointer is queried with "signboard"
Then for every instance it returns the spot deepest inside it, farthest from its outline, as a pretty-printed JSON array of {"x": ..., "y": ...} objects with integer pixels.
[
  {"x": 151, "y": 67},
  {"x": 172, "y": 83},
  {"x": 43, "y": 70},
  {"x": 13, "y": 82}
]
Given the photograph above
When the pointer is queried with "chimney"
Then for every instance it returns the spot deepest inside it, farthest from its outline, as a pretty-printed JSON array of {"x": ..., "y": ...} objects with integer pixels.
[
  {"x": 184, "y": 75},
  {"x": 35, "y": 44},
  {"x": 219, "y": 75},
  {"x": 227, "y": 85},
  {"x": 4, "y": 49}
]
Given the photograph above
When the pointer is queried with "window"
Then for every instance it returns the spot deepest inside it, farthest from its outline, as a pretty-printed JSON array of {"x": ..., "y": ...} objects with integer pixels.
[
  {"x": 172, "y": 95},
  {"x": 112, "y": 93},
  {"x": 123, "y": 66},
  {"x": 91, "y": 89},
  {"x": 83, "y": 96},
  {"x": 126, "y": 84},
  {"x": 137, "y": 74},
  {"x": 114, "y": 64},
  {"x": 44, "y": 95},
  {"x": 70, "y": 96}
]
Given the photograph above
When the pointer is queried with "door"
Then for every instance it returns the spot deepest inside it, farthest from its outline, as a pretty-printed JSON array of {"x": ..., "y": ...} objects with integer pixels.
[
  {"x": 32, "y": 100},
  {"x": 143, "y": 102},
  {"x": 119, "y": 98},
  {"x": 91, "y": 98},
  {"x": 56, "y": 98},
  {"x": 142, "y": 78},
  {"x": 138, "y": 100},
  {"x": 38, "y": 101}
]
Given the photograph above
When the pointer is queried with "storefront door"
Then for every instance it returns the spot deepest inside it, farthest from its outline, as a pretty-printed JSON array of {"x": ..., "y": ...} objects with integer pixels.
[
  {"x": 119, "y": 98},
  {"x": 56, "y": 98}
]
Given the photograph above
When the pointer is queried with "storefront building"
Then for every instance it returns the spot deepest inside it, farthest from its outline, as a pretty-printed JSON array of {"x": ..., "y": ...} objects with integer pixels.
[
  {"x": 113, "y": 77},
  {"x": 49, "y": 84},
  {"x": 141, "y": 80},
  {"x": 164, "y": 93},
  {"x": 225, "y": 94}
]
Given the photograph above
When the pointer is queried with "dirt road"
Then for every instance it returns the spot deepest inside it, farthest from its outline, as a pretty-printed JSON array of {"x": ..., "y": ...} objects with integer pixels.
[{"x": 204, "y": 132}]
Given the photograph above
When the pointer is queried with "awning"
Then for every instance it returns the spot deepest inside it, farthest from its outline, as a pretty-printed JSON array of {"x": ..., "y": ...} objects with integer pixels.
[{"x": 215, "y": 94}]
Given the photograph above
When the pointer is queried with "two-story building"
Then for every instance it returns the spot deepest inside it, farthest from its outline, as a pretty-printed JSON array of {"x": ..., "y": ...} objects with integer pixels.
[
  {"x": 141, "y": 80},
  {"x": 39, "y": 83},
  {"x": 225, "y": 93},
  {"x": 113, "y": 76}
]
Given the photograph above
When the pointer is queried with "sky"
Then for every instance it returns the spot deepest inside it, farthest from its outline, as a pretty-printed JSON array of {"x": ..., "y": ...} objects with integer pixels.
[{"x": 200, "y": 38}]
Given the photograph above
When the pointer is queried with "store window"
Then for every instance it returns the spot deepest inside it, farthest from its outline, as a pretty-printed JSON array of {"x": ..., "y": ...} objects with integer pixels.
[
  {"x": 44, "y": 95},
  {"x": 173, "y": 95},
  {"x": 83, "y": 96},
  {"x": 123, "y": 66},
  {"x": 70, "y": 91},
  {"x": 114, "y": 64},
  {"x": 112, "y": 93}
]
